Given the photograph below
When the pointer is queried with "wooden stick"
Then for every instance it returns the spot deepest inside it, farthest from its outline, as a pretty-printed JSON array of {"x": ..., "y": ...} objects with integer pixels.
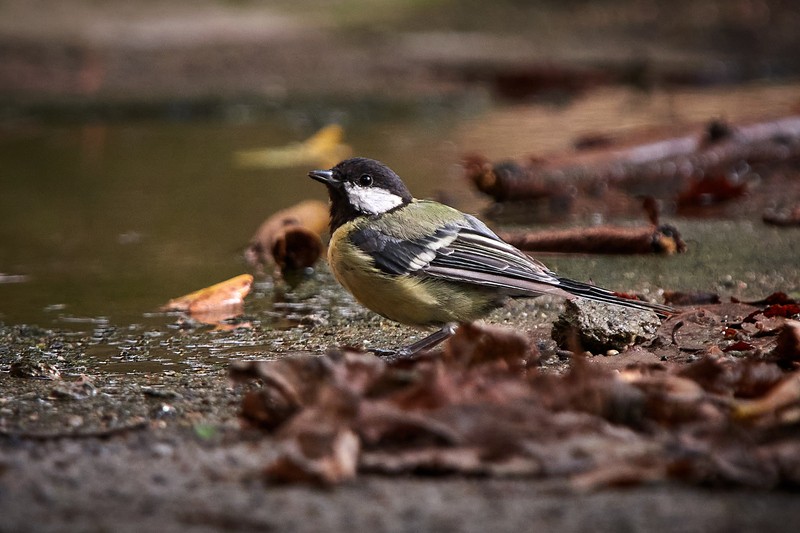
[{"x": 663, "y": 239}]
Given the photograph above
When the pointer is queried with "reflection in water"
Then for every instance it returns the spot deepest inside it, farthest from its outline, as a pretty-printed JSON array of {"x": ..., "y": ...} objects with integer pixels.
[{"x": 115, "y": 218}]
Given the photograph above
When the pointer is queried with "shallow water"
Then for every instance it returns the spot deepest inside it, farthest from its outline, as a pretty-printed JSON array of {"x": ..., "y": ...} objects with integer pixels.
[{"x": 111, "y": 220}]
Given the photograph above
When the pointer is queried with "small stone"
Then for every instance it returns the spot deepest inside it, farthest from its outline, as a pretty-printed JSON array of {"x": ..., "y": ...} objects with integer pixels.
[
  {"x": 33, "y": 369},
  {"x": 154, "y": 392},
  {"x": 612, "y": 352},
  {"x": 600, "y": 327},
  {"x": 162, "y": 449},
  {"x": 563, "y": 355}
]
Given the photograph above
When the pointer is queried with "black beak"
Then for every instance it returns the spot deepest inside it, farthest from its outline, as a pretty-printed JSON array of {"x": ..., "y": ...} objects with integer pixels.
[{"x": 324, "y": 176}]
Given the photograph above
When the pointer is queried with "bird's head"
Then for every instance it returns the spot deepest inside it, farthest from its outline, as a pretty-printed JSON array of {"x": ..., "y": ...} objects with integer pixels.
[{"x": 361, "y": 187}]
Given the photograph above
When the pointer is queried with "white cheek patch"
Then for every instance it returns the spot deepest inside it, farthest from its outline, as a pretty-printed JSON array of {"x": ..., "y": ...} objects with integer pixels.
[{"x": 371, "y": 200}]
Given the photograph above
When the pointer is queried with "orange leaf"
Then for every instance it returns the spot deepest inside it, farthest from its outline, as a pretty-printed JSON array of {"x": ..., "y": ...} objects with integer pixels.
[{"x": 229, "y": 293}]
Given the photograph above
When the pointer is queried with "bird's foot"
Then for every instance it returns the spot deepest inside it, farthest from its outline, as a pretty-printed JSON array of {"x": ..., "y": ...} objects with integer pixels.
[
  {"x": 390, "y": 354},
  {"x": 407, "y": 352}
]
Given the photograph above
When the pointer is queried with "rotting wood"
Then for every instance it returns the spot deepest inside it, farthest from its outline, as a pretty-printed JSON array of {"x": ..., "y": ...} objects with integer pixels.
[
  {"x": 664, "y": 239},
  {"x": 671, "y": 161}
]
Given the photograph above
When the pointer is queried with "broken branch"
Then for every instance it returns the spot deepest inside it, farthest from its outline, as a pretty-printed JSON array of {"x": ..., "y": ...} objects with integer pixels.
[
  {"x": 663, "y": 239},
  {"x": 291, "y": 238},
  {"x": 668, "y": 161}
]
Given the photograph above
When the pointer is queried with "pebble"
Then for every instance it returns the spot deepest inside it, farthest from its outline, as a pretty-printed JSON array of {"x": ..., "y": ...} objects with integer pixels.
[{"x": 601, "y": 328}]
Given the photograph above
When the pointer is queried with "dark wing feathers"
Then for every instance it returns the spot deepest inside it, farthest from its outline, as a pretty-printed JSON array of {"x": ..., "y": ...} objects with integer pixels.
[
  {"x": 494, "y": 256},
  {"x": 461, "y": 250},
  {"x": 400, "y": 256},
  {"x": 599, "y": 294},
  {"x": 477, "y": 248},
  {"x": 466, "y": 250},
  {"x": 478, "y": 256}
]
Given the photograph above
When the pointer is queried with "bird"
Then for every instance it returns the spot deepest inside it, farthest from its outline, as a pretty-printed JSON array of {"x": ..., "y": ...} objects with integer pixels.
[{"x": 426, "y": 264}]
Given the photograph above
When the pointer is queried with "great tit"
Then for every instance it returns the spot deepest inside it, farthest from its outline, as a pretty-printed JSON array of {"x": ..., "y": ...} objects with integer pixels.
[{"x": 422, "y": 263}]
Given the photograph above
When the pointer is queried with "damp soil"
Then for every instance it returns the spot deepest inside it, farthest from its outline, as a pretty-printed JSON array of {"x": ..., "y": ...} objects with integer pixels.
[{"x": 146, "y": 440}]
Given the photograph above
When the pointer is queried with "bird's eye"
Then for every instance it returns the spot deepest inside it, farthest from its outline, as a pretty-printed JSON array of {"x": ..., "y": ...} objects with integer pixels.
[{"x": 365, "y": 180}]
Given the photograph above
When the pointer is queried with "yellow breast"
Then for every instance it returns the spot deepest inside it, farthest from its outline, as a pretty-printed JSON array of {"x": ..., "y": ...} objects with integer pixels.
[{"x": 411, "y": 300}]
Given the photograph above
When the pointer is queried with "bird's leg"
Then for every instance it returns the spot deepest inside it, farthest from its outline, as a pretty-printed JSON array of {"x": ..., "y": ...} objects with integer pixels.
[
  {"x": 412, "y": 349},
  {"x": 447, "y": 331}
]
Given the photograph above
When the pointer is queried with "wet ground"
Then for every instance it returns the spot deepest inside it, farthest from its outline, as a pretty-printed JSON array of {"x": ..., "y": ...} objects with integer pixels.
[{"x": 121, "y": 196}]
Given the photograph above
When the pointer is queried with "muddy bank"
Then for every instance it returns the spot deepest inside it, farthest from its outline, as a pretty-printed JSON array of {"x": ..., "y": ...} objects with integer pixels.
[{"x": 165, "y": 450}]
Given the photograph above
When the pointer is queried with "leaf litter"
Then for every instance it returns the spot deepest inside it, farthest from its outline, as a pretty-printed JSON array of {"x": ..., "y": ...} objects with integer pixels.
[
  {"x": 679, "y": 408},
  {"x": 713, "y": 397}
]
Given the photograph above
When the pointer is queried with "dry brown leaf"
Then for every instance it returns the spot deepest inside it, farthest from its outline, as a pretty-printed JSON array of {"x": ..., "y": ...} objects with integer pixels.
[
  {"x": 783, "y": 395},
  {"x": 619, "y": 475},
  {"x": 475, "y": 344},
  {"x": 477, "y": 408},
  {"x": 786, "y": 455},
  {"x": 318, "y": 444},
  {"x": 382, "y": 422},
  {"x": 317, "y": 459},
  {"x": 226, "y": 295},
  {"x": 697, "y": 329},
  {"x": 465, "y": 461},
  {"x": 293, "y": 383},
  {"x": 787, "y": 350}
]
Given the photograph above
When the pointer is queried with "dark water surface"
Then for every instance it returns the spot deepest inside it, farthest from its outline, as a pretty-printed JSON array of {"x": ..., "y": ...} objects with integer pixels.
[{"x": 112, "y": 219}]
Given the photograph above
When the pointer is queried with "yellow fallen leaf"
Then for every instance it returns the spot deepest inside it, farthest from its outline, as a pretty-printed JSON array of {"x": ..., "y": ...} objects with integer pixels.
[
  {"x": 325, "y": 148},
  {"x": 224, "y": 295}
]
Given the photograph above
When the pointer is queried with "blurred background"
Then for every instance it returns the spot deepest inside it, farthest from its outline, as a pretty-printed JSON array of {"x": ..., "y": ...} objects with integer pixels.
[{"x": 120, "y": 121}]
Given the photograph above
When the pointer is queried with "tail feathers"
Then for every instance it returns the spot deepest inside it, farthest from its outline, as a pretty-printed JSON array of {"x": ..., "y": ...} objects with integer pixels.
[{"x": 592, "y": 292}]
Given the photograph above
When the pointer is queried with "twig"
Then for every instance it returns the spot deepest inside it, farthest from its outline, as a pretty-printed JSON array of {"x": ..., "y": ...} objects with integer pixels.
[{"x": 663, "y": 239}]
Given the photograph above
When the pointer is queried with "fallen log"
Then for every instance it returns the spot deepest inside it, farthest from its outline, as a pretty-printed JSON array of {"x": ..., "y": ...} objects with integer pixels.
[{"x": 666, "y": 162}]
